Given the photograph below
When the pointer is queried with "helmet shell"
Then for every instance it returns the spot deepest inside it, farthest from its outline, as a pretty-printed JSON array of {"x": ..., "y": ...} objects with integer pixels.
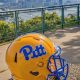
[{"x": 30, "y": 67}]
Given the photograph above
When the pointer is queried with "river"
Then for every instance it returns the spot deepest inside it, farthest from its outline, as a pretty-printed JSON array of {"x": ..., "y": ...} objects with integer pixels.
[{"x": 28, "y": 15}]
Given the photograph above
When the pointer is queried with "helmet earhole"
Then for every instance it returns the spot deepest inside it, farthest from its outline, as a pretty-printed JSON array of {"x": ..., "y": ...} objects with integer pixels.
[{"x": 15, "y": 58}]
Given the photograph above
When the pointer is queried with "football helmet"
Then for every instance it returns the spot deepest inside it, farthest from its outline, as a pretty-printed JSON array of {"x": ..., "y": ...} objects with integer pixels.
[{"x": 34, "y": 57}]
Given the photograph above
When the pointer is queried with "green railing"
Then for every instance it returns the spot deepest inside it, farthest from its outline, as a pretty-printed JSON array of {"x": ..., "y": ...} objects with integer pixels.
[{"x": 40, "y": 24}]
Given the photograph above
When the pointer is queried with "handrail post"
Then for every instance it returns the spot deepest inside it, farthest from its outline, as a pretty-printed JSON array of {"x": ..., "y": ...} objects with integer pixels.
[
  {"x": 62, "y": 17},
  {"x": 78, "y": 14},
  {"x": 16, "y": 24},
  {"x": 43, "y": 19}
]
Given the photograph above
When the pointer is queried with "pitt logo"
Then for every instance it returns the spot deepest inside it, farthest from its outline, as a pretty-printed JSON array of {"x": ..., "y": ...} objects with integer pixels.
[{"x": 28, "y": 50}]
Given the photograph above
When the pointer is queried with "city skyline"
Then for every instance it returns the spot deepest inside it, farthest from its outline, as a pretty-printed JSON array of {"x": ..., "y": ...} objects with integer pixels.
[{"x": 12, "y": 4}]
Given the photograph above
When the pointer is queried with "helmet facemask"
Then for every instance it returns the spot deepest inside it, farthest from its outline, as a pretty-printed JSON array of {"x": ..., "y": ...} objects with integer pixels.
[{"x": 57, "y": 66}]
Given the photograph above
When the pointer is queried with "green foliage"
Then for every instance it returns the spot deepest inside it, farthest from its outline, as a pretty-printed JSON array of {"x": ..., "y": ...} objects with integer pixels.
[
  {"x": 52, "y": 21},
  {"x": 70, "y": 20},
  {"x": 6, "y": 32},
  {"x": 31, "y": 25}
]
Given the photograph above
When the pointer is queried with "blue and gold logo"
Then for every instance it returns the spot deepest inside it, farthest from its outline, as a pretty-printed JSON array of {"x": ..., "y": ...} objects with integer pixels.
[{"x": 28, "y": 50}]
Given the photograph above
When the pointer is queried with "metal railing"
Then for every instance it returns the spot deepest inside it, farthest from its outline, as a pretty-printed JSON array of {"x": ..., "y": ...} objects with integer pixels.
[{"x": 43, "y": 11}]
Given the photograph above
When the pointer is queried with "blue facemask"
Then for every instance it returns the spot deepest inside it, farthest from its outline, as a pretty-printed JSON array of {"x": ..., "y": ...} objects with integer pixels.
[{"x": 61, "y": 66}]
